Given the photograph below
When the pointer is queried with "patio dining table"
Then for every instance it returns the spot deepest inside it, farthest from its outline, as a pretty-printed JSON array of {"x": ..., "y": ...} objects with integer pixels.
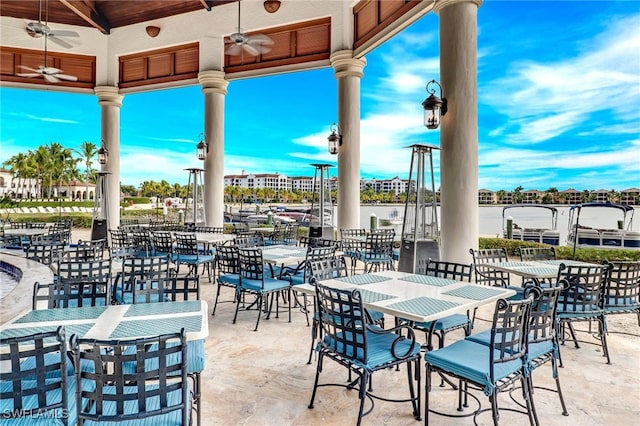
[
  {"x": 124, "y": 322},
  {"x": 415, "y": 297},
  {"x": 534, "y": 270}
]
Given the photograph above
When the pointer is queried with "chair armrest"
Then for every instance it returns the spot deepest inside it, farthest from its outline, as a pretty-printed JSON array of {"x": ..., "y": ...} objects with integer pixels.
[{"x": 410, "y": 336}]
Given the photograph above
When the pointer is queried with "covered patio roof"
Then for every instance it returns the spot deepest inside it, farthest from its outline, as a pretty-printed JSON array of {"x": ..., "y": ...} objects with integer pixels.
[{"x": 144, "y": 45}]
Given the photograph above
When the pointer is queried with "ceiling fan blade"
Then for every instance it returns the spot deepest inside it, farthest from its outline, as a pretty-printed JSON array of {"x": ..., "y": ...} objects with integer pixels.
[
  {"x": 59, "y": 41},
  {"x": 24, "y": 67},
  {"x": 51, "y": 70},
  {"x": 260, "y": 39},
  {"x": 67, "y": 77},
  {"x": 51, "y": 78},
  {"x": 259, "y": 48},
  {"x": 63, "y": 33},
  {"x": 234, "y": 50},
  {"x": 29, "y": 74},
  {"x": 251, "y": 49}
]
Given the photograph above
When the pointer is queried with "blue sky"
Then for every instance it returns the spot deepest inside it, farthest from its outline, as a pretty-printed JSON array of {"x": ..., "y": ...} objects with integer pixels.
[{"x": 558, "y": 91}]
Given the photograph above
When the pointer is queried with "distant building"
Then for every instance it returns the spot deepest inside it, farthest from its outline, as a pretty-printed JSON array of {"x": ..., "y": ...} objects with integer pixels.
[
  {"x": 630, "y": 196},
  {"x": 17, "y": 187}
]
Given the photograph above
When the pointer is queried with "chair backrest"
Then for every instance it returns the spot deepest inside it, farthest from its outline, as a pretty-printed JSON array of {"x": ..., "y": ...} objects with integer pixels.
[
  {"x": 131, "y": 379},
  {"x": 180, "y": 288},
  {"x": 75, "y": 293},
  {"x": 209, "y": 229},
  {"x": 326, "y": 269},
  {"x": 245, "y": 241},
  {"x": 161, "y": 242},
  {"x": 93, "y": 270},
  {"x": 584, "y": 292},
  {"x": 86, "y": 250},
  {"x": 227, "y": 261},
  {"x": 141, "y": 240},
  {"x": 542, "y": 325},
  {"x": 487, "y": 275},
  {"x": 449, "y": 270},
  {"x": 147, "y": 291},
  {"x": 251, "y": 264},
  {"x": 379, "y": 245},
  {"x": 537, "y": 253},
  {"x": 290, "y": 234},
  {"x": 623, "y": 287},
  {"x": 343, "y": 322},
  {"x": 46, "y": 253},
  {"x": 509, "y": 331},
  {"x": 118, "y": 239},
  {"x": 150, "y": 267},
  {"x": 345, "y": 233},
  {"x": 186, "y": 244},
  {"x": 38, "y": 387}
]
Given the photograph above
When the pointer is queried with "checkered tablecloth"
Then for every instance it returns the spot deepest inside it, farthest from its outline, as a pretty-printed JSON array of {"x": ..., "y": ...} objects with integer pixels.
[
  {"x": 474, "y": 292},
  {"x": 363, "y": 279},
  {"x": 423, "y": 306},
  {"x": 428, "y": 280}
]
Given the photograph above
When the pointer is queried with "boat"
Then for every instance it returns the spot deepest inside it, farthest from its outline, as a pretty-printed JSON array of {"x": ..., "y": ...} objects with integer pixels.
[
  {"x": 621, "y": 236},
  {"x": 522, "y": 231},
  {"x": 393, "y": 218}
]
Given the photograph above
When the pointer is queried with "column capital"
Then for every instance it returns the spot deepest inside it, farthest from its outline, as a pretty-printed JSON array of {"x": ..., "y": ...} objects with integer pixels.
[
  {"x": 213, "y": 82},
  {"x": 346, "y": 65},
  {"x": 108, "y": 96},
  {"x": 441, "y": 4}
]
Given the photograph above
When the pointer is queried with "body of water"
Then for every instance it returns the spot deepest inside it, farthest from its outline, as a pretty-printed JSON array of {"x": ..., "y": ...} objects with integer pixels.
[{"x": 490, "y": 218}]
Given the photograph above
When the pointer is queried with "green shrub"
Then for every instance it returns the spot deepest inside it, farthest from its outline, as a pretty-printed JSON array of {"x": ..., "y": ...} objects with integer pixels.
[{"x": 592, "y": 255}]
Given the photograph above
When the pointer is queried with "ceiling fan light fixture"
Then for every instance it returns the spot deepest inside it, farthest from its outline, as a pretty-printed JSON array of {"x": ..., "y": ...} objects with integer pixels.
[
  {"x": 272, "y": 6},
  {"x": 152, "y": 31}
]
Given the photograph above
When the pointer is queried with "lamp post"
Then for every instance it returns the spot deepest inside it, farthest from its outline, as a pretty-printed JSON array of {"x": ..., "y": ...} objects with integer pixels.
[{"x": 435, "y": 107}]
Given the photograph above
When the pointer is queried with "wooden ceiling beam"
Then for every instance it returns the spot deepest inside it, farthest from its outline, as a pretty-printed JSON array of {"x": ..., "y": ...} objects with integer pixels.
[
  {"x": 208, "y": 4},
  {"x": 88, "y": 11}
]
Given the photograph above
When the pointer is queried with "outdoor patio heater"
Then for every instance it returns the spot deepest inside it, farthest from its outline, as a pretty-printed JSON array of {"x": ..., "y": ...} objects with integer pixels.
[
  {"x": 420, "y": 238},
  {"x": 100, "y": 208},
  {"x": 321, "y": 223},
  {"x": 194, "y": 212}
]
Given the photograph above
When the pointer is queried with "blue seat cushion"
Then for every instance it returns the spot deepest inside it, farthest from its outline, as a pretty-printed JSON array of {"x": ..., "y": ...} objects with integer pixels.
[
  {"x": 470, "y": 360},
  {"x": 172, "y": 418},
  {"x": 449, "y": 322},
  {"x": 534, "y": 350},
  {"x": 193, "y": 258},
  {"x": 378, "y": 349},
  {"x": 270, "y": 284},
  {"x": 229, "y": 279}
]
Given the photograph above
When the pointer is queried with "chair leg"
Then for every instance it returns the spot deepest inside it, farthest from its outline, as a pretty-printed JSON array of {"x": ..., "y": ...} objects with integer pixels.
[
  {"x": 315, "y": 383},
  {"x": 314, "y": 334},
  {"x": 259, "y": 305},
  {"x": 362, "y": 394},
  {"x": 557, "y": 377},
  {"x": 215, "y": 303},
  {"x": 603, "y": 337}
]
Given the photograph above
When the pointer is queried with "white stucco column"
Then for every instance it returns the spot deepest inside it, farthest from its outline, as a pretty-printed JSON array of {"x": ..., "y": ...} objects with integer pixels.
[
  {"x": 110, "y": 101},
  {"x": 348, "y": 72},
  {"x": 459, "y": 132},
  {"x": 214, "y": 87}
]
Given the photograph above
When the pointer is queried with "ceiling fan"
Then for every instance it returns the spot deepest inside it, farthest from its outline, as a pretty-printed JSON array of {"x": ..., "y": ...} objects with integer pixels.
[
  {"x": 254, "y": 44},
  {"x": 50, "y": 74},
  {"x": 40, "y": 29}
]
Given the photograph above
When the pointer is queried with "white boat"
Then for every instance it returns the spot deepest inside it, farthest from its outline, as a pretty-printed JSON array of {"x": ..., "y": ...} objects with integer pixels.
[
  {"x": 394, "y": 218},
  {"x": 524, "y": 232},
  {"x": 620, "y": 236}
]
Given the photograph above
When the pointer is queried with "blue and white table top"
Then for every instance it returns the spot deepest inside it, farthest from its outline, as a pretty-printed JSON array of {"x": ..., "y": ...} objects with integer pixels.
[{"x": 415, "y": 297}]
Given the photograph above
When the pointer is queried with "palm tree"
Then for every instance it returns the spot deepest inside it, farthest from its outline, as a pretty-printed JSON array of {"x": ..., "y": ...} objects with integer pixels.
[{"x": 87, "y": 151}]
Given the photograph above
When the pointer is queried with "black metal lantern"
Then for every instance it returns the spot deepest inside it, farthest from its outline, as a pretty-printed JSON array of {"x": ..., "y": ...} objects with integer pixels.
[
  {"x": 434, "y": 107},
  {"x": 335, "y": 140},
  {"x": 103, "y": 154},
  {"x": 203, "y": 147}
]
